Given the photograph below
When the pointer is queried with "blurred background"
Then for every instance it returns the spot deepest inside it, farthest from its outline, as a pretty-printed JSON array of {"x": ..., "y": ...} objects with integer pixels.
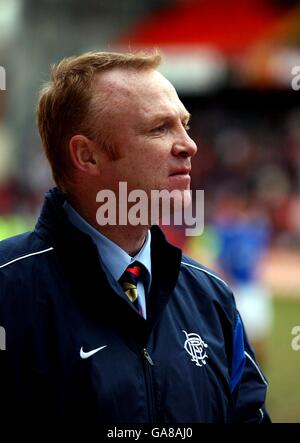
[{"x": 233, "y": 64}]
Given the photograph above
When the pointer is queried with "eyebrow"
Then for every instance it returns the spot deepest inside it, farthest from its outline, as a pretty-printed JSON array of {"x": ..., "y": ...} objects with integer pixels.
[{"x": 161, "y": 117}]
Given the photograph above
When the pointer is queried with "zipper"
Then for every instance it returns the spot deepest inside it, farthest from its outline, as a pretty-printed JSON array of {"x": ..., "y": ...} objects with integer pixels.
[
  {"x": 147, "y": 357},
  {"x": 148, "y": 362}
]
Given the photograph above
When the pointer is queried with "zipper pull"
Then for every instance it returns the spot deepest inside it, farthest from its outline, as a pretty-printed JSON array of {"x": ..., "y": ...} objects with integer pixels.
[{"x": 147, "y": 357}]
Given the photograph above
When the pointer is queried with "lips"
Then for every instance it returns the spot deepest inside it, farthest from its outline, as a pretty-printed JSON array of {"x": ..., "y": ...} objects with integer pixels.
[
  {"x": 183, "y": 171},
  {"x": 180, "y": 179}
]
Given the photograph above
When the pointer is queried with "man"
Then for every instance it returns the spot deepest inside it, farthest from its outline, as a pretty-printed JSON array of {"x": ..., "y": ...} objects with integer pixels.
[{"x": 111, "y": 323}]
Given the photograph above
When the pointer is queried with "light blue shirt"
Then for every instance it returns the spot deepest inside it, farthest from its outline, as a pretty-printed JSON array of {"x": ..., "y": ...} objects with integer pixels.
[{"x": 114, "y": 259}]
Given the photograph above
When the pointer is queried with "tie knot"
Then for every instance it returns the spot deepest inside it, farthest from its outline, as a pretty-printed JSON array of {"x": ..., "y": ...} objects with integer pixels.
[
  {"x": 129, "y": 280},
  {"x": 131, "y": 273}
]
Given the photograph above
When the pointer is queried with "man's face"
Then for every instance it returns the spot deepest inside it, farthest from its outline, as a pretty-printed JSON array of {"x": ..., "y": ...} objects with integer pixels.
[{"x": 147, "y": 124}]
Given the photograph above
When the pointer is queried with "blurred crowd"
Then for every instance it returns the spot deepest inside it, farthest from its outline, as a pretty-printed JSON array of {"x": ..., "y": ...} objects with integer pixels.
[{"x": 248, "y": 163}]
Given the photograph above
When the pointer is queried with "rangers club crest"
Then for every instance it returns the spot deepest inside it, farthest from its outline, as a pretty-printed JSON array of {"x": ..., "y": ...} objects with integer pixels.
[{"x": 196, "y": 348}]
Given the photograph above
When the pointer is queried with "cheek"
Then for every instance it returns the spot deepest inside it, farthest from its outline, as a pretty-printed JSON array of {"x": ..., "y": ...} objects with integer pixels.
[
  {"x": 146, "y": 166},
  {"x": 148, "y": 175},
  {"x": 154, "y": 168},
  {"x": 157, "y": 159},
  {"x": 147, "y": 161}
]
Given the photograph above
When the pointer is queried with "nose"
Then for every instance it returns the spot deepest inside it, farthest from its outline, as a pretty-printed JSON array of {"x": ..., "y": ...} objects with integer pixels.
[{"x": 185, "y": 147}]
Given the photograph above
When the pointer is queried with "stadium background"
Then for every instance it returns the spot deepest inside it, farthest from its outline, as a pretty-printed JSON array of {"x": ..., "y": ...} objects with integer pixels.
[{"x": 231, "y": 61}]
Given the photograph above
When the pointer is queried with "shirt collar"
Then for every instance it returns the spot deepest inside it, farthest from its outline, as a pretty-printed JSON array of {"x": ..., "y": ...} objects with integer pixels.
[{"x": 113, "y": 257}]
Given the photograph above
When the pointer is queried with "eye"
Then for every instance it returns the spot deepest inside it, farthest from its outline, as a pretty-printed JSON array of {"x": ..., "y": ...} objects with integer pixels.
[
  {"x": 159, "y": 129},
  {"x": 186, "y": 126}
]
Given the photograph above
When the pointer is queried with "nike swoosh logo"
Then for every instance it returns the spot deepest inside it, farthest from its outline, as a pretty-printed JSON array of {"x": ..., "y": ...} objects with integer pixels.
[{"x": 90, "y": 353}]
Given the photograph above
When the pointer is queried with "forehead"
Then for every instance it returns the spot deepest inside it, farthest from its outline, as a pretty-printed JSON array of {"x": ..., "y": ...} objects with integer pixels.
[{"x": 140, "y": 94}]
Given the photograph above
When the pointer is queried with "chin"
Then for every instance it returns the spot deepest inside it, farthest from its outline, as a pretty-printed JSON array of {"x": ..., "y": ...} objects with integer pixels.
[
  {"x": 181, "y": 194},
  {"x": 183, "y": 198},
  {"x": 177, "y": 201},
  {"x": 173, "y": 199}
]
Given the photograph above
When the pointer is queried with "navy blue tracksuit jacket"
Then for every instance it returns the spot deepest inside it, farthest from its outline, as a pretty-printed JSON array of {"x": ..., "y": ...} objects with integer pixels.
[{"x": 76, "y": 348}]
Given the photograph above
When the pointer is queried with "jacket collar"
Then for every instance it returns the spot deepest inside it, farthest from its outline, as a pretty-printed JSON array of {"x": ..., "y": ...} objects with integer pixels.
[{"x": 80, "y": 255}]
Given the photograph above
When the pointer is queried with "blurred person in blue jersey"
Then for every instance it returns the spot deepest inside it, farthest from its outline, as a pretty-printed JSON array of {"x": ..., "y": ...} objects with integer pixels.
[
  {"x": 243, "y": 233},
  {"x": 111, "y": 323}
]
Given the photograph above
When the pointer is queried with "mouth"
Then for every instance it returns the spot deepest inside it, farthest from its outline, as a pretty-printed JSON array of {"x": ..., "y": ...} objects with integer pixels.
[
  {"x": 181, "y": 172},
  {"x": 180, "y": 179}
]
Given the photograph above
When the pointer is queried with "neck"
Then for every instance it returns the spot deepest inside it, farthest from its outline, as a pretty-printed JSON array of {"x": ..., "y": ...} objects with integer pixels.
[{"x": 129, "y": 238}]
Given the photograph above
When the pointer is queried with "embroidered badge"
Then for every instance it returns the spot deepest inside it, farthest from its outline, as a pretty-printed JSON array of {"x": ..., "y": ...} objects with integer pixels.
[{"x": 196, "y": 348}]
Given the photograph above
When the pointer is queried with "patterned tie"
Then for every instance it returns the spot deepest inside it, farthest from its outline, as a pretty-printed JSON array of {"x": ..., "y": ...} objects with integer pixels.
[{"x": 129, "y": 280}]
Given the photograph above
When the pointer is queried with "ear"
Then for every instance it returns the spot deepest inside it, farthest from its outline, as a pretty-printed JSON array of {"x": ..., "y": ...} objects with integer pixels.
[{"x": 83, "y": 154}]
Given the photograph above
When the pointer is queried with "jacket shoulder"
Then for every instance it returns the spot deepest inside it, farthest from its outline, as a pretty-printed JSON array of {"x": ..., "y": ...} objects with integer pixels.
[
  {"x": 19, "y": 248},
  {"x": 21, "y": 265},
  {"x": 202, "y": 273},
  {"x": 208, "y": 283}
]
